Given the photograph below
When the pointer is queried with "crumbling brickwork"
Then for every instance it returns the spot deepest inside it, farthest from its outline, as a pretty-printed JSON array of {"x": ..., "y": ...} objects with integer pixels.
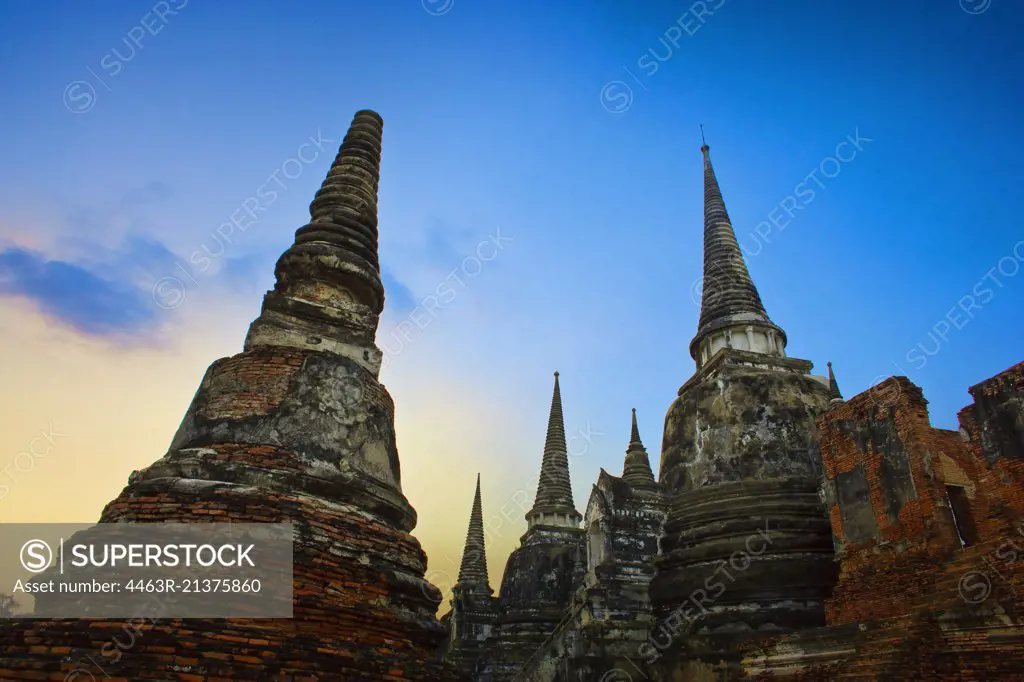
[
  {"x": 296, "y": 428},
  {"x": 250, "y": 384},
  {"x": 345, "y": 625},
  {"x": 891, "y": 536},
  {"x": 928, "y": 588},
  {"x": 994, "y": 428},
  {"x": 886, "y": 500}
]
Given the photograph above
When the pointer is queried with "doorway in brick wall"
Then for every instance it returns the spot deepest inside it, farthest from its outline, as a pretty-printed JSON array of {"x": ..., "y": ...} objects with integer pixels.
[{"x": 960, "y": 509}]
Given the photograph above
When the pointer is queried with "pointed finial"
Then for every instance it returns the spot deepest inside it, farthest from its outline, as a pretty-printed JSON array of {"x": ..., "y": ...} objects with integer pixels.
[
  {"x": 634, "y": 436},
  {"x": 473, "y": 570},
  {"x": 556, "y": 373},
  {"x": 328, "y": 294},
  {"x": 554, "y": 490},
  {"x": 833, "y": 386},
  {"x": 728, "y": 295},
  {"x": 637, "y": 468},
  {"x": 704, "y": 145}
]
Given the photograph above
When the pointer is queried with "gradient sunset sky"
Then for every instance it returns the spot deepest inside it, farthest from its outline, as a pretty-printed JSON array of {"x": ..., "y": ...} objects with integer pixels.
[{"x": 569, "y": 133}]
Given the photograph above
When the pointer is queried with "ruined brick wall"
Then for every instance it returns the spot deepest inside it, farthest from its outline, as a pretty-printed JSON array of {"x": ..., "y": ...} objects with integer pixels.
[
  {"x": 344, "y": 625},
  {"x": 885, "y": 498},
  {"x": 994, "y": 428},
  {"x": 885, "y": 476},
  {"x": 911, "y": 600}
]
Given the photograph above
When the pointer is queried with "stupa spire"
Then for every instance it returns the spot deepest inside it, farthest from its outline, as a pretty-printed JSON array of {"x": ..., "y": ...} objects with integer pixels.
[
  {"x": 833, "y": 386},
  {"x": 294, "y": 429},
  {"x": 553, "y": 504},
  {"x": 473, "y": 571},
  {"x": 729, "y": 300},
  {"x": 328, "y": 294},
  {"x": 637, "y": 469}
]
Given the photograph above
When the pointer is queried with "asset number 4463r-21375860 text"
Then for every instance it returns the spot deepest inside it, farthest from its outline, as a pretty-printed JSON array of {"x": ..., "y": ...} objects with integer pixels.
[{"x": 195, "y": 585}]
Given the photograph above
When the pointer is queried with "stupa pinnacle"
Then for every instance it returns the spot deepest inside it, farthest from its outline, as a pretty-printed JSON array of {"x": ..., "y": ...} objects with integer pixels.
[
  {"x": 637, "y": 470},
  {"x": 833, "y": 386},
  {"x": 553, "y": 504},
  {"x": 473, "y": 571},
  {"x": 328, "y": 294},
  {"x": 731, "y": 312}
]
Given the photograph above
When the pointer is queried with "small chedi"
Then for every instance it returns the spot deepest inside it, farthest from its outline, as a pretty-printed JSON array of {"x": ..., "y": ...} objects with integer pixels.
[
  {"x": 474, "y": 608},
  {"x": 542, "y": 574},
  {"x": 789, "y": 533},
  {"x": 296, "y": 428}
]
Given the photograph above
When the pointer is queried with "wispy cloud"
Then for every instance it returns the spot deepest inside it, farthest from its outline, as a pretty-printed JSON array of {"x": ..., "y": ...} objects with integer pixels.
[
  {"x": 75, "y": 294},
  {"x": 103, "y": 292}
]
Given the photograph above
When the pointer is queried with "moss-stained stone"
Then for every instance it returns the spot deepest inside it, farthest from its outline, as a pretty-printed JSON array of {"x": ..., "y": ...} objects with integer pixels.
[
  {"x": 747, "y": 546},
  {"x": 297, "y": 429}
]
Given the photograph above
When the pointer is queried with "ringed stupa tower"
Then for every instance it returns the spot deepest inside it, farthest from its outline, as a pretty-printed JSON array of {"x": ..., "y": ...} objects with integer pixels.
[
  {"x": 474, "y": 608},
  {"x": 541, "y": 574},
  {"x": 295, "y": 428},
  {"x": 747, "y": 546}
]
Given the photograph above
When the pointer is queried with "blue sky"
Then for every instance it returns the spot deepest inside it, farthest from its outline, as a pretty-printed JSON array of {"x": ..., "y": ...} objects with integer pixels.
[{"x": 122, "y": 160}]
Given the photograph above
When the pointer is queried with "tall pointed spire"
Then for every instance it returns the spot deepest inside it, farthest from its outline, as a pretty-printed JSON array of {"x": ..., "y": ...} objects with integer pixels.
[
  {"x": 833, "y": 386},
  {"x": 328, "y": 293},
  {"x": 634, "y": 433},
  {"x": 729, "y": 298},
  {"x": 553, "y": 504},
  {"x": 473, "y": 572},
  {"x": 637, "y": 469},
  {"x": 295, "y": 429}
]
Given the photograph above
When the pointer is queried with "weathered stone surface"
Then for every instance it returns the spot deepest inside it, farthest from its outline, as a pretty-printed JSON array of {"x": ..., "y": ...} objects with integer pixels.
[
  {"x": 474, "y": 610},
  {"x": 731, "y": 312},
  {"x": 741, "y": 464},
  {"x": 294, "y": 429},
  {"x": 553, "y": 504},
  {"x": 544, "y": 572},
  {"x": 540, "y": 578},
  {"x": 913, "y": 602},
  {"x": 334, "y": 412},
  {"x": 746, "y": 416},
  {"x": 610, "y": 616}
]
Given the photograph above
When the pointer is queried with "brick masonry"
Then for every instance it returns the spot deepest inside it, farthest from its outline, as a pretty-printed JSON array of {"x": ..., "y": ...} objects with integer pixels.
[
  {"x": 296, "y": 428},
  {"x": 912, "y": 601},
  {"x": 361, "y": 608}
]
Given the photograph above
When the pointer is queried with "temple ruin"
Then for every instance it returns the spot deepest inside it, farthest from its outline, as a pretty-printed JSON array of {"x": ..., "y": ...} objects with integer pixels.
[{"x": 789, "y": 533}]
